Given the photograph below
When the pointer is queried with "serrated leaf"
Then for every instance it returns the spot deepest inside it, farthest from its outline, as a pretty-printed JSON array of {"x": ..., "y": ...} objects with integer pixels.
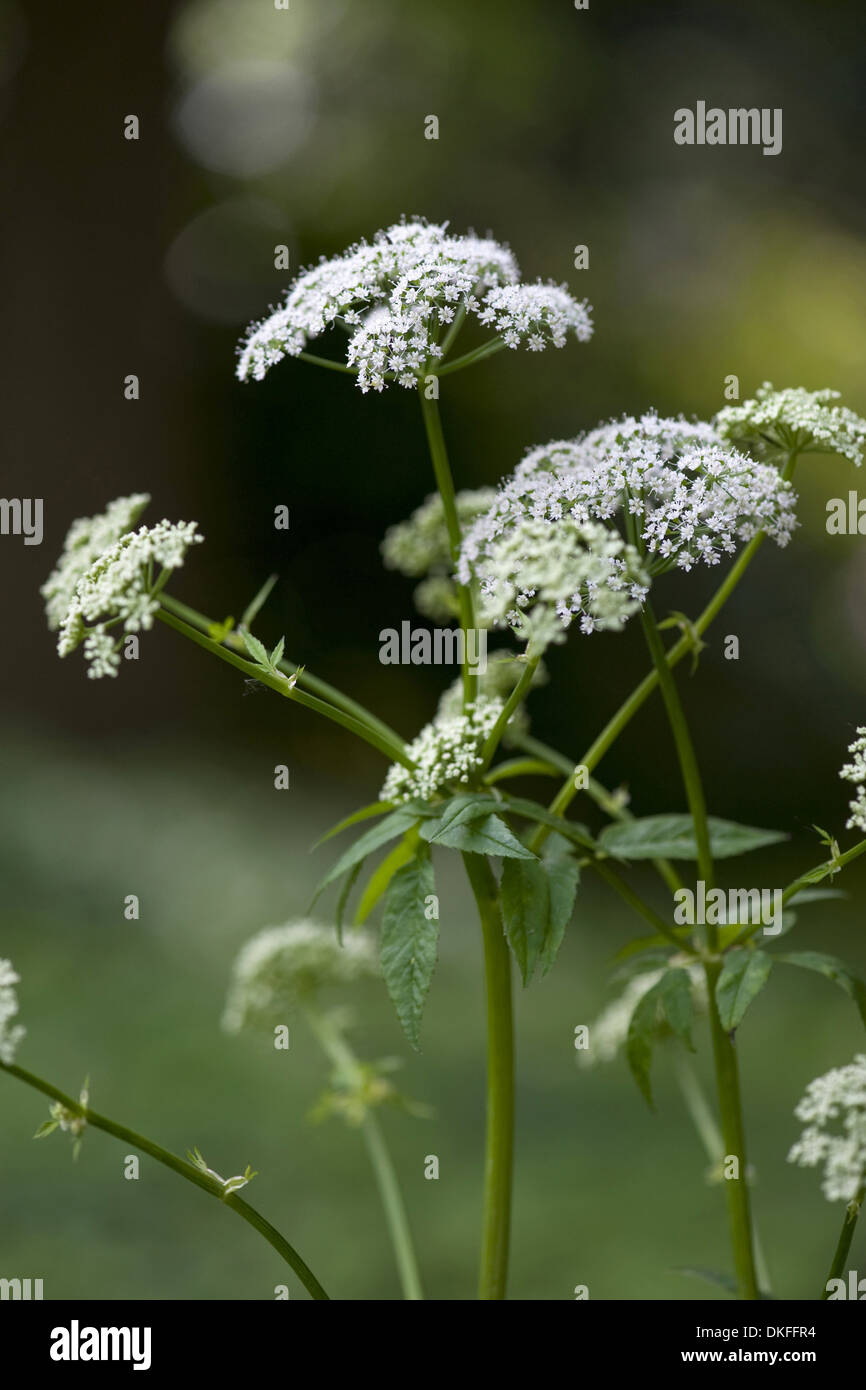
[
  {"x": 832, "y": 969},
  {"x": 572, "y": 831},
  {"x": 409, "y": 941},
  {"x": 277, "y": 654},
  {"x": 563, "y": 875},
  {"x": 394, "y": 824},
  {"x": 383, "y": 873},
  {"x": 524, "y": 891},
  {"x": 673, "y": 837},
  {"x": 461, "y": 810},
  {"x": 255, "y": 648},
  {"x": 643, "y": 1032},
  {"x": 487, "y": 836},
  {"x": 374, "y": 808},
  {"x": 677, "y": 1000},
  {"x": 742, "y": 977}
]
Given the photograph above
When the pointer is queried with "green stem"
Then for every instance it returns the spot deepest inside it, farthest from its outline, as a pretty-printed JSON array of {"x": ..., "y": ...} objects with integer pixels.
[
  {"x": 846, "y": 1235},
  {"x": 636, "y": 902},
  {"x": 499, "y": 1155},
  {"x": 469, "y": 358},
  {"x": 393, "y": 752},
  {"x": 445, "y": 484},
  {"x": 516, "y": 697},
  {"x": 727, "y": 1070},
  {"x": 347, "y": 1066},
  {"x": 305, "y": 678},
  {"x": 327, "y": 362},
  {"x": 197, "y": 1176}
]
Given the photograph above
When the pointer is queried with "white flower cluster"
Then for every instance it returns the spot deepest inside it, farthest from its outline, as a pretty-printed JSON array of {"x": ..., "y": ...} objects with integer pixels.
[
  {"x": 537, "y": 576},
  {"x": 420, "y": 546},
  {"x": 681, "y": 494},
  {"x": 396, "y": 295},
  {"x": 840, "y": 1093},
  {"x": 279, "y": 967},
  {"x": 856, "y": 772},
  {"x": 608, "y": 1034},
  {"x": 10, "y": 1034},
  {"x": 87, "y": 539},
  {"x": 446, "y": 751},
  {"x": 118, "y": 588},
  {"x": 795, "y": 419}
]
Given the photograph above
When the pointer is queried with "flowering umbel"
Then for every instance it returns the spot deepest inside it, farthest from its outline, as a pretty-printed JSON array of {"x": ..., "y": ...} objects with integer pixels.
[
  {"x": 794, "y": 420},
  {"x": 281, "y": 967},
  {"x": 838, "y": 1095},
  {"x": 396, "y": 297},
  {"x": 107, "y": 581},
  {"x": 855, "y": 772},
  {"x": 10, "y": 1033},
  {"x": 446, "y": 752},
  {"x": 419, "y": 548}
]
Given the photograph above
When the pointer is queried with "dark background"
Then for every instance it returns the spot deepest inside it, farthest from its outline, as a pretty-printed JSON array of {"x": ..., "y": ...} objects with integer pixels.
[{"x": 305, "y": 127}]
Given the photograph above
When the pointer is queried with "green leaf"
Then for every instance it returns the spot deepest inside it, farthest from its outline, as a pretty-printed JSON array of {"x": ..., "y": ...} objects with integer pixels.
[
  {"x": 563, "y": 876},
  {"x": 575, "y": 833},
  {"x": 383, "y": 873},
  {"x": 743, "y": 976},
  {"x": 397, "y": 823},
  {"x": 525, "y": 895},
  {"x": 47, "y": 1127},
  {"x": 643, "y": 1032},
  {"x": 375, "y": 808},
  {"x": 461, "y": 810},
  {"x": 832, "y": 969},
  {"x": 277, "y": 654},
  {"x": 677, "y": 1000},
  {"x": 651, "y": 944},
  {"x": 409, "y": 941},
  {"x": 346, "y": 889},
  {"x": 673, "y": 837},
  {"x": 488, "y": 836},
  {"x": 255, "y": 648}
]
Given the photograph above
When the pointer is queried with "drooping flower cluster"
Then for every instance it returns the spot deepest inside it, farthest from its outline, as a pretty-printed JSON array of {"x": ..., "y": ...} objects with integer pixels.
[
  {"x": 794, "y": 419},
  {"x": 280, "y": 967},
  {"x": 607, "y": 1035},
  {"x": 10, "y": 1033},
  {"x": 855, "y": 772},
  {"x": 117, "y": 588},
  {"x": 397, "y": 295},
  {"x": 838, "y": 1095},
  {"x": 679, "y": 494},
  {"x": 420, "y": 546},
  {"x": 446, "y": 752},
  {"x": 87, "y": 539}
]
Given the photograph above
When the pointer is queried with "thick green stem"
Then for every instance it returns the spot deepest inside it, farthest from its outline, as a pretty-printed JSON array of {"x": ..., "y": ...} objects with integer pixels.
[
  {"x": 347, "y": 1066},
  {"x": 499, "y": 1155},
  {"x": 846, "y": 1235},
  {"x": 305, "y": 678},
  {"x": 445, "y": 484},
  {"x": 396, "y": 753},
  {"x": 206, "y": 1181}
]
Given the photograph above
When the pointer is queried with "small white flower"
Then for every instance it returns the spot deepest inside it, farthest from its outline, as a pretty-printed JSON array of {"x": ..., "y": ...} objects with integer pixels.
[
  {"x": 496, "y": 682},
  {"x": 10, "y": 1034},
  {"x": 856, "y": 772},
  {"x": 87, "y": 539},
  {"x": 421, "y": 546},
  {"x": 795, "y": 419},
  {"x": 399, "y": 293},
  {"x": 281, "y": 966},
  {"x": 120, "y": 590},
  {"x": 837, "y": 1095},
  {"x": 446, "y": 752}
]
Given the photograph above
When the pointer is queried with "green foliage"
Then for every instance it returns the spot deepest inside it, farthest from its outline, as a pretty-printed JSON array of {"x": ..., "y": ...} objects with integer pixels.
[
  {"x": 667, "y": 1005},
  {"x": 833, "y": 969},
  {"x": 743, "y": 976},
  {"x": 537, "y": 901},
  {"x": 673, "y": 837},
  {"x": 410, "y": 935}
]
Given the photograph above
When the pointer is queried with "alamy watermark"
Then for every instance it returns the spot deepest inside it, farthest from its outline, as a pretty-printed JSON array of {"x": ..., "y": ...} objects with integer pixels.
[
  {"x": 717, "y": 908},
  {"x": 22, "y": 516},
  {"x": 438, "y": 646},
  {"x": 739, "y": 125}
]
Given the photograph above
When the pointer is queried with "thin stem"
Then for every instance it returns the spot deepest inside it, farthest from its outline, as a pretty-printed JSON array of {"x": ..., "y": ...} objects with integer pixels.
[
  {"x": 327, "y": 362},
  {"x": 197, "y": 1176},
  {"x": 305, "y": 678},
  {"x": 499, "y": 1156},
  {"x": 727, "y": 1070},
  {"x": 445, "y": 484},
  {"x": 469, "y": 358},
  {"x": 251, "y": 671},
  {"x": 347, "y": 1066},
  {"x": 636, "y": 902},
  {"x": 517, "y": 695},
  {"x": 846, "y": 1235}
]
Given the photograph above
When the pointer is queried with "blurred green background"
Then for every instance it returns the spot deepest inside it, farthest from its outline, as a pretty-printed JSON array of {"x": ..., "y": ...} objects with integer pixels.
[{"x": 305, "y": 127}]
